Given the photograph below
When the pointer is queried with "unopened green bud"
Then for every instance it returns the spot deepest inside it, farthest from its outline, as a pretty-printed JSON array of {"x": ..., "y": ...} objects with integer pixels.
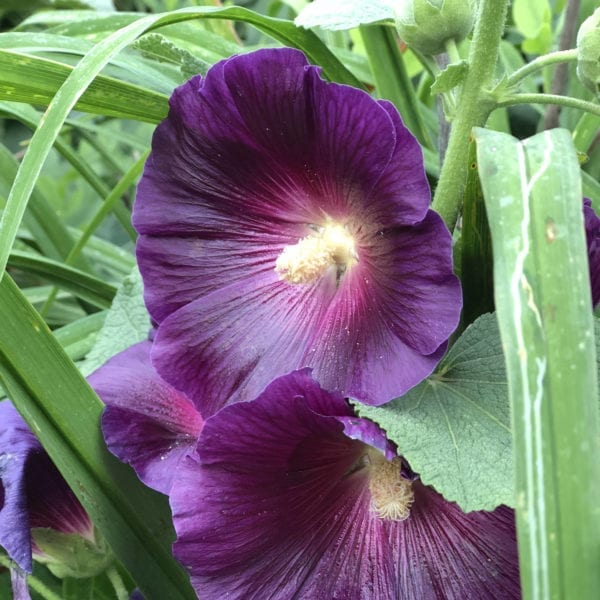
[
  {"x": 588, "y": 52},
  {"x": 70, "y": 554},
  {"x": 427, "y": 25}
]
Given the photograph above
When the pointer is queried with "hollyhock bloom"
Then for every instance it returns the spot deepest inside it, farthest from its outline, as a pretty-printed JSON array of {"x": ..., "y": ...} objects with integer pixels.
[
  {"x": 292, "y": 496},
  {"x": 592, "y": 234},
  {"x": 39, "y": 514},
  {"x": 146, "y": 423},
  {"x": 284, "y": 222}
]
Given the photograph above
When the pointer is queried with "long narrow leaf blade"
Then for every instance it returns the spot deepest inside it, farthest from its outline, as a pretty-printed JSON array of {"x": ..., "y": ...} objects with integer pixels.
[
  {"x": 532, "y": 191},
  {"x": 64, "y": 413}
]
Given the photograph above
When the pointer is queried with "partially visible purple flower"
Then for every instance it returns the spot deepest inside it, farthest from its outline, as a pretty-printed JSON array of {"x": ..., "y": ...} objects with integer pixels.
[
  {"x": 291, "y": 496},
  {"x": 592, "y": 234},
  {"x": 284, "y": 222},
  {"x": 33, "y": 494},
  {"x": 146, "y": 423}
]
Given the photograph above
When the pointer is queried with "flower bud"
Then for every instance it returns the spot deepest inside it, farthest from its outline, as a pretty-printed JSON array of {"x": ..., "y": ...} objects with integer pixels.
[
  {"x": 427, "y": 25},
  {"x": 71, "y": 554},
  {"x": 588, "y": 58}
]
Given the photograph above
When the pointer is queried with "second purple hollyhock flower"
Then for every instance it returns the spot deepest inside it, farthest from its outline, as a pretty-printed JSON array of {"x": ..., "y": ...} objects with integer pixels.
[
  {"x": 291, "y": 496},
  {"x": 284, "y": 222}
]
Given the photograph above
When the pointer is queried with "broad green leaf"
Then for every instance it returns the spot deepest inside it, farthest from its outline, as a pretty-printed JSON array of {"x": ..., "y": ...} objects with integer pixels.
[
  {"x": 126, "y": 323},
  {"x": 454, "y": 428},
  {"x": 64, "y": 413},
  {"x": 344, "y": 14},
  {"x": 532, "y": 192}
]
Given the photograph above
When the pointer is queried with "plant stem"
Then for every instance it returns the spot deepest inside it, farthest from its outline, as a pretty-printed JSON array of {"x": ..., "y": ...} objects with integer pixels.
[
  {"x": 475, "y": 107},
  {"x": 117, "y": 583},
  {"x": 590, "y": 107},
  {"x": 452, "y": 50},
  {"x": 540, "y": 62},
  {"x": 561, "y": 73}
]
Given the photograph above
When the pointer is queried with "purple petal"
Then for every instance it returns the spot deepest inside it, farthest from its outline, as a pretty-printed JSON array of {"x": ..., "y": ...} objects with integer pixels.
[
  {"x": 19, "y": 585},
  {"x": 34, "y": 492},
  {"x": 146, "y": 423},
  {"x": 379, "y": 334},
  {"x": 229, "y": 345},
  {"x": 277, "y": 504},
  {"x": 16, "y": 444},
  {"x": 50, "y": 501},
  {"x": 441, "y": 552},
  {"x": 592, "y": 233}
]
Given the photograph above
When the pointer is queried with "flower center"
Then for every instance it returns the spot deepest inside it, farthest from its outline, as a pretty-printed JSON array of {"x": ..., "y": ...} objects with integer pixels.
[
  {"x": 306, "y": 261},
  {"x": 391, "y": 494}
]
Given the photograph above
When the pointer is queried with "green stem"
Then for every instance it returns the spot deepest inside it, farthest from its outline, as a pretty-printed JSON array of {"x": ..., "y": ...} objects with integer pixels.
[
  {"x": 35, "y": 584},
  {"x": 475, "y": 107},
  {"x": 117, "y": 583},
  {"x": 590, "y": 107},
  {"x": 540, "y": 62},
  {"x": 452, "y": 50}
]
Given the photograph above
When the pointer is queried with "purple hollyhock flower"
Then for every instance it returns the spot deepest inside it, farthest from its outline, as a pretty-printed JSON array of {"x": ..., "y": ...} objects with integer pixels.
[
  {"x": 284, "y": 222},
  {"x": 33, "y": 494},
  {"x": 292, "y": 496},
  {"x": 146, "y": 423},
  {"x": 592, "y": 234}
]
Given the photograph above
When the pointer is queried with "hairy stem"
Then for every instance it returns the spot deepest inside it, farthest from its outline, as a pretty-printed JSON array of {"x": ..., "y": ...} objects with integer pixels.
[
  {"x": 562, "y": 56},
  {"x": 475, "y": 107},
  {"x": 590, "y": 107}
]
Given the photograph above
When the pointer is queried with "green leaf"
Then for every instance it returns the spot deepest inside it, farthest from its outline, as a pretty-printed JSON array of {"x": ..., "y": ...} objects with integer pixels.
[
  {"x": 126, "y": 323},
  {"x": 454, "y": 428},
  {"x": 344, "y": 14},
  {"x": 62, "y": 410},
  {"x": 83, "y": 285},
  {"x": 533, "y": 19},
  {"x": 48, "y": 230},
  {"x": 77, "y": 338},
  {"x": 529, "y": 15},
  {"x": 532, "y": 192},
  {"x": 393, "y": 82},
  {"x": 453, "y": 75},
  {"x": 476, "y": 249},
  {"x": 37, "y": 80},
  {"x": 158, "y": 47}
]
